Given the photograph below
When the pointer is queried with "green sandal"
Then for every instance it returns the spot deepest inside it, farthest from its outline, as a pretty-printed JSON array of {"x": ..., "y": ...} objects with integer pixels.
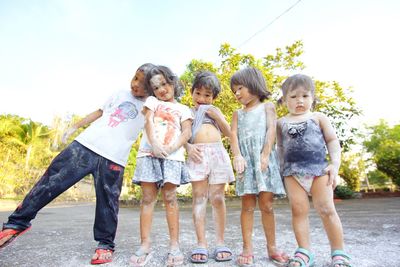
[
  {"x": 302, "y": 256},
  {"x": 340, "y": 258}
]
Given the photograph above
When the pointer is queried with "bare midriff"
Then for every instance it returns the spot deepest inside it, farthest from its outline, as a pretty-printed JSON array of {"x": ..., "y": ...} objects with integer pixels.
[{"x": 207, "y": 134}]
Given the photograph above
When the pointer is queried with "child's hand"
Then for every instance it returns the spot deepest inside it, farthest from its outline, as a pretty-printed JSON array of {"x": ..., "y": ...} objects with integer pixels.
[
  {"x": 214, "y": 113},
  {"x": 67, "y": 134},
  {"x": 159, "y": 150},
  {"x": 239, "y": 163},
  {"x": 194, "y": 153},
  {"x": 264, "y": 160},
  {"x": 332, "y": 173}
]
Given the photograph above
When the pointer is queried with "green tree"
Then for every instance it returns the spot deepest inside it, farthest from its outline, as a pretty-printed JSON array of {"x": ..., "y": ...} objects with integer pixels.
[
  {"x": 335, "y": 101},
  {"x": 383, "y": 142},
  {"x": 352, "y": 168},
  {"x": 27, "y": 135}
]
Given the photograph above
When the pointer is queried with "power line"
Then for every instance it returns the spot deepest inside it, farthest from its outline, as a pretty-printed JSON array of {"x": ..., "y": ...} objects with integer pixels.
[{"x": 269, "y": 24}]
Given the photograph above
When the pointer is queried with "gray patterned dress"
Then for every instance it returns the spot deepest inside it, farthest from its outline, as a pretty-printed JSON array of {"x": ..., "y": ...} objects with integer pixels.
[{"x": 252, "y": 127}]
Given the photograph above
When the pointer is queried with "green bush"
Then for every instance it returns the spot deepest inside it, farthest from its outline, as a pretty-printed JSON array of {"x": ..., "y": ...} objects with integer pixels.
[{"x": 343, "y": 192}]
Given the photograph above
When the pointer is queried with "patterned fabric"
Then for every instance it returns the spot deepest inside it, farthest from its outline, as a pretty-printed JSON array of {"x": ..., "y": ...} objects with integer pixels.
[
  {"x": 160, "y": 171},
  {"x": 252, "y": 127},
  {"x": 304, "y": 151},
  {"x": 215, "y": 166},
  {"x": 167, "y": 121},
  {"x": 66, "y": 169}
]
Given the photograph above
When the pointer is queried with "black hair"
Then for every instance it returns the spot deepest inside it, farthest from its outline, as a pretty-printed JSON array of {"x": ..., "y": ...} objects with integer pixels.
[
  {"x": 208, "y": 80},
  {"x": 169, "y": 76},
  {"x": 252, "y": 79}
]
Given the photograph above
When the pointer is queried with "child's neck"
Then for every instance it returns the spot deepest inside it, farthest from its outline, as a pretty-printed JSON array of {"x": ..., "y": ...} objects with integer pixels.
[
  {"x": 299, "y": 117},
  {"x": 253, "y": 103}
]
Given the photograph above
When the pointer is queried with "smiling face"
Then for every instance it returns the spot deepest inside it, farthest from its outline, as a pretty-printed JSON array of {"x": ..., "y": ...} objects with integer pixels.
[
  {"x": 162, "y": 90},
  {"x": 244, "y": 96},
  {"x": 137, "y": 84},
  {"x": 202, "y": 96},
  {"x": 299, "y": 101}
]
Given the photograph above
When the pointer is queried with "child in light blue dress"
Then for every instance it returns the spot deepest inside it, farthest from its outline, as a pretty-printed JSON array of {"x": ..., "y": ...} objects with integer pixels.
[{"x": 255, "y": 161}]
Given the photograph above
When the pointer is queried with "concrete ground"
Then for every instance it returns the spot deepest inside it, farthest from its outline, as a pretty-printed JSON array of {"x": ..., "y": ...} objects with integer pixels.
[{"x": 62, "y": 235}]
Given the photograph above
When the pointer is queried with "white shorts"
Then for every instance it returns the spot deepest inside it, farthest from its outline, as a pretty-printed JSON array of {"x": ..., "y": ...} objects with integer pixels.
[{"x": 215, "y": 166}]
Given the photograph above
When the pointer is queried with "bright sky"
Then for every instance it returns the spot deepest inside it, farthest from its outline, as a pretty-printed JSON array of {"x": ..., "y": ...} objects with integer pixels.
[{"x": 59, "y": 57}]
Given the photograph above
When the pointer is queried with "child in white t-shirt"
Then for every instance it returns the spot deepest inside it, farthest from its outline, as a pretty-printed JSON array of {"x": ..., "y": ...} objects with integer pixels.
[
  {"x": 101, "y": 150},
  {"x": 160, "y": 159}
]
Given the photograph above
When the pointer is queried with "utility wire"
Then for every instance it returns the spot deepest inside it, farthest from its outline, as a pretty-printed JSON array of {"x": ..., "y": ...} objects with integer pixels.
[{"x": 269, "y": 24}]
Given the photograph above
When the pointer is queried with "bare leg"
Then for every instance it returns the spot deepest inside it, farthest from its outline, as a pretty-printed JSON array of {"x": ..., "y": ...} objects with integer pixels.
[
  {"x": 172, "y": 213},
  {"x": 247, "y": 221},
  {"x": 323, "y": 203},
  {"x": 300, "y": 206},
  {"x": 217, "y": 199},
  {"x": 149, "y": 192},
  {"x": 149, "y": 199},
  {"x": 268, "y": 220},
  {"x": 200, "y": 196}
]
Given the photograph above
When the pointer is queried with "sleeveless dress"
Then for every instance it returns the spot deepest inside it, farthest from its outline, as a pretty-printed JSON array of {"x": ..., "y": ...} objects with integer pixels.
[
  {"x": 252, "y": 127},
  {"x": 304, "y": 149}
]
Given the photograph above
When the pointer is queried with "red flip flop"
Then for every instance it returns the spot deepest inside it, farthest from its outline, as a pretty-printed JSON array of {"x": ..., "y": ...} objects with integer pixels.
[
  {"x": 13, "y": 234},
  {"x": 100, "y": 252}
]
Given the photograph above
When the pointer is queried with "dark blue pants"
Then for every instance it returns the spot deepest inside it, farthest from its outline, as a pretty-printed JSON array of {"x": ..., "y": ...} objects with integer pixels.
[{"x": 66, "y": 169}]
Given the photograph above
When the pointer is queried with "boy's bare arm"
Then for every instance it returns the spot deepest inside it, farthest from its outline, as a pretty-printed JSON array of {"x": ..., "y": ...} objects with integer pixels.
[
  {"x": 83, "y": 122},
  {"x": 89, "y": 119}
]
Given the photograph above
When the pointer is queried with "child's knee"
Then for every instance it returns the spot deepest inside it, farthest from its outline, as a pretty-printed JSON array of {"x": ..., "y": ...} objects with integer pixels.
[
  {"x": 148, "y": 200},
  {"x": 267, "y": 209},
  {"x": 170, "y": 198},
  {"x": 217, "y": 199},
  {"x": 248, "y": 209},
  {"x": 325, "y": 209},
  {"x": 200, "y": 200},
  {"x": 299, "y": 209}
]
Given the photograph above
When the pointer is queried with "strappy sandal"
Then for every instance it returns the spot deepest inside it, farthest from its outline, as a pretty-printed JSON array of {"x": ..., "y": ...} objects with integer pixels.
[
  {"x": 175, "y": 258},
  {"x": 340, "y": 259},
  {"x": 302, "y": 256},
  {"x": 140, "y": 254},
  {"x": 100, "y": 252}
]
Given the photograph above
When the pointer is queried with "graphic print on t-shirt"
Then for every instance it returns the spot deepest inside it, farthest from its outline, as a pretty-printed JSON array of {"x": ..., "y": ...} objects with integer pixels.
[
  {"x": 166, "y": 121},
  {"x": 122, "y": 113}
]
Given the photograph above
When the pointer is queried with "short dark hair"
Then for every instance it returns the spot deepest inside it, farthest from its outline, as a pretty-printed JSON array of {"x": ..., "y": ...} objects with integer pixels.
[
  {"x": 297, "y": 80},
  {"x": 145, "y": 68},
  {"x": 252, "y": 79},
  {"x": 169, "y": 76},
  {"x": 208, "y": 80}
]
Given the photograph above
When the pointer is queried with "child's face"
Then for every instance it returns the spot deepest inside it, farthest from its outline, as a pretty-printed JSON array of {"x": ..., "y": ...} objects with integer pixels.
[
  {"x": 202, "y": 96},
  {"x": 162, "y": 90},
  {"x": 137, "y": 84},
  {"x": 299, "y": 101},
  {"x": 243, "y": 94}
]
